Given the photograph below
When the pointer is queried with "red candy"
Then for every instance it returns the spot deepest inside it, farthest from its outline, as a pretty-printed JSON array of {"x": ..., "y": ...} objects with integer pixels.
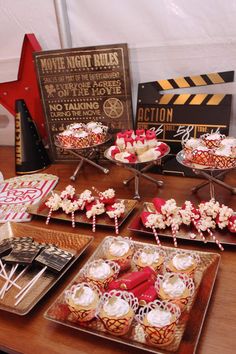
[
  {"x": 149, "y": 295},
  {"x": 150, "y": 134},
  {"x": 131, "y": 280},
  {"x": 232, "y": 224},
  {"x": 158, "y": 203},
  {"x": 144, "y": 215},
  {"x": 140, "y": 289}
]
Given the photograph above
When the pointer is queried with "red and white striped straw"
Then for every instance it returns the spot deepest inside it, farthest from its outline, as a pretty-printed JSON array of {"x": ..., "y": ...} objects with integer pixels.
[
  {"x": 199, "y": 231},
  {"x": 215, "y": 239},
  {"x": 116, "y": 225},
  {"x": 94, "y": 223},
  {"x": 49, "y": 216},
  {"x": 73, "y": 218},
  {"x": 174, "y": 230},
  {"x": 156, "y": 236},
  {"x": 97, "y": 191}
]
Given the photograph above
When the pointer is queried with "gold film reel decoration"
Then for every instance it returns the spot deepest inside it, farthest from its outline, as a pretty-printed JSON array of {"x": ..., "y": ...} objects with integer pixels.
[{"x": 113, "y": 107}]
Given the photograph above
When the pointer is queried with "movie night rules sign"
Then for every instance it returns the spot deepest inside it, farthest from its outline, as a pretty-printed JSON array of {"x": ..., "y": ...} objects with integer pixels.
[{"x": 84, "y": 84}]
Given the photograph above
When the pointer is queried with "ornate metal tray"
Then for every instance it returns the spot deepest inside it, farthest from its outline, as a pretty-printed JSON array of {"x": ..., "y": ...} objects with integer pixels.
[
  {"x": 185, "y": 339},
  {"x": 136, "y": 225},
  {"x": 41, "y": 209},
  {"x": 75, "y": 243}
]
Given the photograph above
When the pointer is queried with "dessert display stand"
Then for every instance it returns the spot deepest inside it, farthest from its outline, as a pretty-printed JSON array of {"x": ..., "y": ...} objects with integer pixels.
[
  {"x": 91, "y": 153},
  {"x": 138, "y": 169},
  {"x": 212, "y": 175}
]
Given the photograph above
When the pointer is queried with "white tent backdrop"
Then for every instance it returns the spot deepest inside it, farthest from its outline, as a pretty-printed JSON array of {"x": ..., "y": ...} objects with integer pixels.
[{"x": 166, "y": 39}]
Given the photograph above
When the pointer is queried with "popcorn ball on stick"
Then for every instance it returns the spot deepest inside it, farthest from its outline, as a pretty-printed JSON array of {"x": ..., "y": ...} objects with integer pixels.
[
  {"x": 69, "y": 206},
  {"x": 106, "y": 197},
  {"x": 85, "y": 197},
  {"x": 115, "y": 211},
  {"x": 94, "y": 208},
  {"x": 153, "y": 221},
  {"x": 53, "y": 203}
]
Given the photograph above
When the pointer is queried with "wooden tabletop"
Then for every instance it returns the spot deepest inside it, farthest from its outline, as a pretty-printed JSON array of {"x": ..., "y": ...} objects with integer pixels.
[{"x": 34, "y": 334}]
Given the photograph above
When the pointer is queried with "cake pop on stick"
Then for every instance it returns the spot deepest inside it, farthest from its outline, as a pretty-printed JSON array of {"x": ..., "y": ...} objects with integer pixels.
[
  {"x": 116, "y": 211},
  {"x": 232, "y": 223}
]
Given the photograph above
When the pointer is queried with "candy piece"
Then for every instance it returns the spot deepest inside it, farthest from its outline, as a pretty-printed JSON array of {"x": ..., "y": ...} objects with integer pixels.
[
  {"x": 23, "y": 253},
  {"x": 141, "y": 288},
  {"x": 126, "y": 157},
  {"x": 162, "y": 147},
  {"x": 54, "y": 257},
  {"x": 5, "y": 246},
  {"x": 114, "y": 150},
  {"x": 130, "y": 280},
  {"x": 149, "y": 295},
  {"x": 232, "y": 223},
  {"x": 158, "y": 203},
  {"x": 140, "y": 132}
]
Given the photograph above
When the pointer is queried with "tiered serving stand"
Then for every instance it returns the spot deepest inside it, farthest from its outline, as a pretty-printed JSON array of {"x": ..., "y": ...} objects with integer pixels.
[
  {"x": 212, "y": 175},
  {"x": 85, "y": 155},
  {"x": 138, "y": 169}
]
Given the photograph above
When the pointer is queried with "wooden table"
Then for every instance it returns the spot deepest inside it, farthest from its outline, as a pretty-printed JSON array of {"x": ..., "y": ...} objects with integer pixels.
[{"x": 34, "y": 334}]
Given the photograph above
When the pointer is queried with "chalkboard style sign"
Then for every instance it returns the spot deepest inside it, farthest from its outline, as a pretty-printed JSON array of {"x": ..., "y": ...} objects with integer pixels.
[
  {"x": 82, "y": 85},
  {"x": 177, "y": 117}
]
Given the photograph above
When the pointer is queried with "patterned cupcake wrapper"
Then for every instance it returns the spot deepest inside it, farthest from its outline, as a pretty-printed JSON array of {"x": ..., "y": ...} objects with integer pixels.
[{"x": 224, "y": 161}]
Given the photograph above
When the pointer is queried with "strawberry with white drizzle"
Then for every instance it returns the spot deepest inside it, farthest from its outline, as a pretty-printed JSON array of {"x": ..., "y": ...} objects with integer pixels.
[{"x": 116, "y": 211}]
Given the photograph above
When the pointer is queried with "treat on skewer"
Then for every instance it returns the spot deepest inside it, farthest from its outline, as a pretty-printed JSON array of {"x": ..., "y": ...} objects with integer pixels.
[
  {"x": 190, "y": 215},
  {"x": 223, "y": 217},
  {"x": 5, "y": 246},
  {"x": 68, "y": 193},
  {"x": 85, "y": 198},
  {"x": 52, "y": 258},
  {"x": 106, "y": 197},
  {"x": 170, "y": 211},
  {"x": 53, "y": 203},
  {"x": 93, "y": 209},
  {"x": 23, "y": 253},
  {"x": 116, "y": 211},
  {"x": 69, "y": 206},
  {"x": 153, "y": 221}
]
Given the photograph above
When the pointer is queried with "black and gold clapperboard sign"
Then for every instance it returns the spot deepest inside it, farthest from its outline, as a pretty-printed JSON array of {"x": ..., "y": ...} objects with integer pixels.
[
  {"x": 177, "y": 117},
  {"x": 82, "y": 85}
]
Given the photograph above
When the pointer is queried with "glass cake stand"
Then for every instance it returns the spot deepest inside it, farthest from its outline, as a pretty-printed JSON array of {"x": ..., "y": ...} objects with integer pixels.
[
  {"x": 138, "y": 170},
  {"x": 90, "y": 151},
  {"x": 212, "y": 175}
]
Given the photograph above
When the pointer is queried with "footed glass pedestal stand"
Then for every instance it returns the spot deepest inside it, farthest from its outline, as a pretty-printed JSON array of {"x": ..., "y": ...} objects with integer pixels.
[
  {"x": 212, "y": 175},
  {"x": 85, "y": 155},
  {"x": 138, "y": 169}
]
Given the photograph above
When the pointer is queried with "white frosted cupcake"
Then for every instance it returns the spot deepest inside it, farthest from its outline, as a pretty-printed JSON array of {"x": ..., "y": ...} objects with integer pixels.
[
  {"x": 116, "y": 310},
  {"x": 149, "y": 256},
  {"x": 158, "y": 320},
  {"x": 212, "y": 140},
  {"x": 120, "y": 250},
  {"x": 101, "y": 273},
  {"x": 82, "y": 300},
  {"x": 225, "y": 157},
  {"x": 183, "y": 262},
  {"x": 177, "y": 288}
]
